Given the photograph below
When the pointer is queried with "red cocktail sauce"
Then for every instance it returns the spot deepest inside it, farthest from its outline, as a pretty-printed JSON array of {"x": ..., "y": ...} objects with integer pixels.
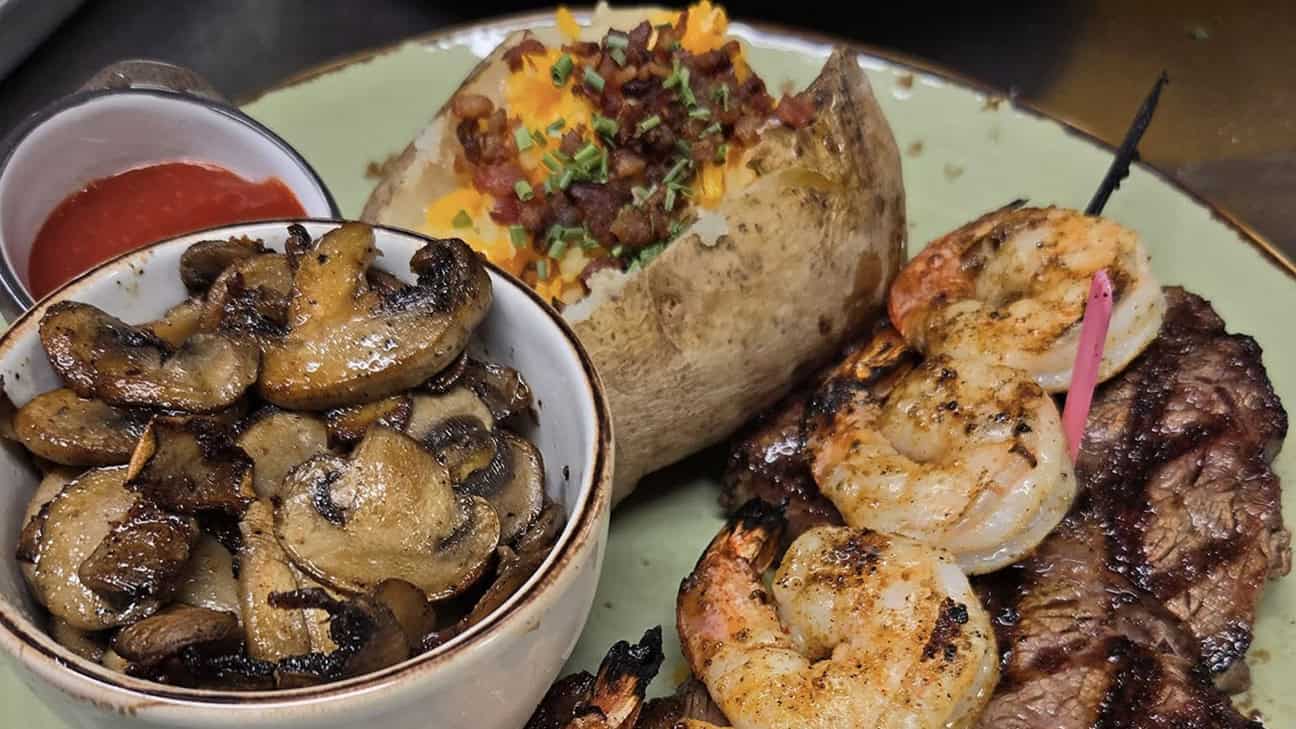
[{"x": 119, "y": 213}]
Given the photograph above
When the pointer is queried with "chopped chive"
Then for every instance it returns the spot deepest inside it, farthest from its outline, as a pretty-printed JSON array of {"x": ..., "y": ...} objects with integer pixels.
[
  {"x": 593, "y": 80},
  {"x": 713, "y": 129},
  {"x": 700, "y": 113},
  {"x": 616, "y": 40},
  {"x": 634, "y": 267},
  {"x": 556, "y": 126},
  {"x": 617, "y": 250},
  {"x": 638, "y": 194},
  {"x": 686, "y": 92},
  {"x": 557, "y": 249},
  {"x": 649, "y": 124},
  {"x": 565, "y": 180},
  {"x": 542, "y": 269},
  {"x": 605, "y": 126},
  {"x": 549, "y": 186},
  {"x": 603, "y": 166},
  {"x": 561, "y": 69},
  {"x": 721, "y": 95},
  {"x": 586, "y": 155},
  {"x": 684, "y": 147},
  {"x": 722, "y": 153},
  {"x": 676, "y": 227},
  {"x": 462, "y": 220},
  {"x": 551, "y": 162},
  {"x": 518, "y": 236},
  {"x": 676, "y": 171},
  {"x": 669, "y": 202},
  {"x": 648, "y": 254},
  {"x": 523, "y": 139},
  {"x": 676, "y": 45},
  {"x": 523, "y": 190},
  {"x": 538, "y": 137},
  {"x": 588, "y": 243},
  {"x": 618, "y": 55},
  {"x": 573, "y": 233}
]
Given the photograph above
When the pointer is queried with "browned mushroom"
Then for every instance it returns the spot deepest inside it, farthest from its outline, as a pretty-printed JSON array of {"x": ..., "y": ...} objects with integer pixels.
[
  {"x": 190, "y": 464},
  {"x": 63, "y": 427},
  {"x": 387, "y": 512},
  {"x": 142, "y": 556},
  {"x": 501, "y": 388},
  {"x": 157, "y": 638},
  {"x": 272, "y": 633},
  {"x": 208, "y": 579},
  {"x": 513, "y": 483},
  {"x": 74, "y": 523},
  {"x": 279, "y": 441},
  {"x": 543, "y": 531},
  {"x": 7, "y": 413},
  {"x": 456, "y": 426},
  {"x": 179, "y": 322},
  {"x": 89, "y": 646},
  {"x": 382, "y": 282},
  {"x": 251, "y": 297},
  {"x": 100, "y": 356},
  {"x": 203, "y": 262},
  {"x": 348, "y": 344},
  {"x": 29, "y": 538},
  {"x": 346, "y": 426}
]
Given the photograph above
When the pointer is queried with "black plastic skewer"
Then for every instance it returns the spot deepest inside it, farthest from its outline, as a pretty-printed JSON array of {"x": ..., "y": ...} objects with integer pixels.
[{"x": 1128, "y": 150}]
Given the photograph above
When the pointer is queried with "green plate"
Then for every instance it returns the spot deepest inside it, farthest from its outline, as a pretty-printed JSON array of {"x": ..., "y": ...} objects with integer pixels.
[{"x": 965, "y": 151}]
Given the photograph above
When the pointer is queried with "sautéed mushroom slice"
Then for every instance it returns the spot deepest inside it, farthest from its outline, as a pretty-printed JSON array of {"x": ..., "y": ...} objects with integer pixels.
[
  {"x": 65, "y": 428},
  {"x": 387, "y": 512},
  {"x": 203, "y": 262},
  {"x": 346, "y": 426},
  {"x": 100, "y": 356},
  {"x": 513, "y": 483},
  {"x": 501, "y": 388},
  {"x": 348, "y": 344},
  {"x": 179, "y": 322},
  {"x": 142, "y": 556},
  {"x": 190, "y": 465},
  {"x": 272, "y": 633},
  {"x": 72, "y": 526},
  {"x": 456, "y": 426},
  {"x": 278, "y": 441},
  {"x": 208, "y": 579}
]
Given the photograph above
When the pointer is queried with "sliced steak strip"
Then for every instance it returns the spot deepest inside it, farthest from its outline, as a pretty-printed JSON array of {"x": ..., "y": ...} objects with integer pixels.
[
  {"x": 1083, "y": 648},
  {"x": 1176, "y": 461}
]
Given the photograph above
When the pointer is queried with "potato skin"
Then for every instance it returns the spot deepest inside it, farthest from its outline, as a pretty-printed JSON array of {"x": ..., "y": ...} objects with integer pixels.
[{"x": 706, "y": 336}]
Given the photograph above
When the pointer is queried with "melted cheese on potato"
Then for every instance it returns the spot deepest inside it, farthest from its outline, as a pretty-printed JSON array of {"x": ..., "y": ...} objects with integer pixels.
[{"x": 534, "y": 102}]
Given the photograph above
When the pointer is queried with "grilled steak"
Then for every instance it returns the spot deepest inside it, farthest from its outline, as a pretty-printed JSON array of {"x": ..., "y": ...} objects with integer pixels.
[
  {"x": 1084, "y": 648},
  {"x": 1176, "y": 458},
  {"x": 1135, "y": 609}
]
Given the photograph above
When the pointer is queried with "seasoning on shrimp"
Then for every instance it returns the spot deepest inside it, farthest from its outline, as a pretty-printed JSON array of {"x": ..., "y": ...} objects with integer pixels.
[
  {"x": 1011, "y": 286},
  {"x": 859, "y": 630}
]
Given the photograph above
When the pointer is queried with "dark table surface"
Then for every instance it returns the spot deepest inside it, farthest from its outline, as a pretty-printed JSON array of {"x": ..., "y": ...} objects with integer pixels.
[{"x": 1227, "y": 126}]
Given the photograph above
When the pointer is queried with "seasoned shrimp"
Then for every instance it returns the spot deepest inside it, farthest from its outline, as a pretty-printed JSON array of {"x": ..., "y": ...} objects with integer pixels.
[
  {"x": 1012, "y": 285},
  {"x": 965, "y": 455},
  {"x": 611, "y": 700},
  {"x": 863, "y": 630}
]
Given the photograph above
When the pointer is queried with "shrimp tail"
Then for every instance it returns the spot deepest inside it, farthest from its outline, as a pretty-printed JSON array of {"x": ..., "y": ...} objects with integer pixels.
[
  {"x": 753, "y": 534},
  {"x": 622, "y": 680}
]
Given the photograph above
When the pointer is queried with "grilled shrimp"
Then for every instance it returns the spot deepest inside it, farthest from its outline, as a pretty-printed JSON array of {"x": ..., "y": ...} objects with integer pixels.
[
  {"x": 1012, "y": 285},
  {"x": 965, "y": 455},
  {"x": 611, "y": 700},
  {"x": 863, "y": 630}
]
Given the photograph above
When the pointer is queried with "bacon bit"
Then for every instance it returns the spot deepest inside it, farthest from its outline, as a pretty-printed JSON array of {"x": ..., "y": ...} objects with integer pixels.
[
  {"x": 469, "y": 139},
  {"x": 1084, "y": 375},
  {"x": 498, "y": 179},
  {"x": 471, "y": 106},
  {"x": 515, "y": 55},
  {"x": 582, "y": 48},
  {"x": 795, "y": 111},
  {"x": 506, "y": 210},
  {"x": 572, "y": 141},
  {"x": 640, "y": 35}
]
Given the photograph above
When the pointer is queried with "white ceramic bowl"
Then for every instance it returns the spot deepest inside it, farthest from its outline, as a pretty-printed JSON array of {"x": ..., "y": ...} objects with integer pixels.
[
  {"x": 490, "y": 677},
  {"x": 98, "y": 133}
]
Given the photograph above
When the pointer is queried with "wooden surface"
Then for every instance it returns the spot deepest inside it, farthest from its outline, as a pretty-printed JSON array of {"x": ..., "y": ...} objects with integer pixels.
[{"x": 1227, "y": 125}]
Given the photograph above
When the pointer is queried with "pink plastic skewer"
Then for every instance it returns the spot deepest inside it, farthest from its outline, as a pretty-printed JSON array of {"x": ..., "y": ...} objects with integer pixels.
[{"x": 1084, "y": 375}]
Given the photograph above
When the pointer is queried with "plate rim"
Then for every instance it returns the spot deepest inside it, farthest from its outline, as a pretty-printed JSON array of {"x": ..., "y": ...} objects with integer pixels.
[{"x": 1245, "y": 232}]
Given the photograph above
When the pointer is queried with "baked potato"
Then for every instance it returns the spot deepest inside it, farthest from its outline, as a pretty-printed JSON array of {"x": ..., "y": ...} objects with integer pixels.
[{"x": 699, "y": 236}]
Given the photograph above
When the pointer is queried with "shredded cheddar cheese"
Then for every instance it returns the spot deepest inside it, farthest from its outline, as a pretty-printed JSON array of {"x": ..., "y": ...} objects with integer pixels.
[{"x": 534, "y": 103}]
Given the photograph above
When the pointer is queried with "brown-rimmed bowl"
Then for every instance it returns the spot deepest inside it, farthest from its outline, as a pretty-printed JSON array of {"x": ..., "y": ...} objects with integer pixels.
[{"x": 491, "y": 676}]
